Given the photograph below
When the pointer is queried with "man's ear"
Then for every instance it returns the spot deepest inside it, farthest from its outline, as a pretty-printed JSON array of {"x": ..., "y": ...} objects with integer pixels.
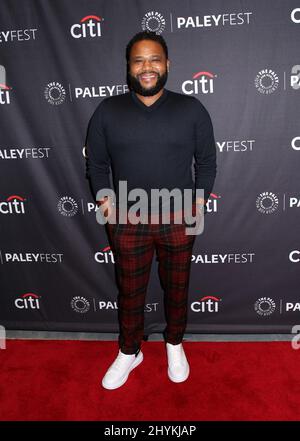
[{"x": 168, "y": 66}]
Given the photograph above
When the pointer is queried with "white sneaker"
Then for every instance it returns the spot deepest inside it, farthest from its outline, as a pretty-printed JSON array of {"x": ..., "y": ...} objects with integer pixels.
[
  {"x": 120, "y": 369},
  {"x": 178, "y": 366}
]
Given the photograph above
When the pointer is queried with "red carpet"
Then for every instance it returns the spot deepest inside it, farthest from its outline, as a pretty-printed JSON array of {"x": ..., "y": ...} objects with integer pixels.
[{"x": 61, "y": 380}]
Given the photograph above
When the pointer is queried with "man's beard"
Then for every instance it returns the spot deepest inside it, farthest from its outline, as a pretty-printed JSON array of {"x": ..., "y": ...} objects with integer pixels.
[{"x": 136, "y": 86}]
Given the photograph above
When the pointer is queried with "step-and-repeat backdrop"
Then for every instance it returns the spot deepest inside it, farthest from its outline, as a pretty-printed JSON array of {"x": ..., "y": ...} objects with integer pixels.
[{"x": 58, "y": 60}]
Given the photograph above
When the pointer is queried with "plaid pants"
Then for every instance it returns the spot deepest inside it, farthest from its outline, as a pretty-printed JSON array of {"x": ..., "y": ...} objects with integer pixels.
[{"x": 133, "y": 247}]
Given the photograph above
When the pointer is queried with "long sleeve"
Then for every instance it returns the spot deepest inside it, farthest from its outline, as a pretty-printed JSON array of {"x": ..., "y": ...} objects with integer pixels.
[
  {"x": 205, "y": 153},
  {"x": 98, "y": 160}
]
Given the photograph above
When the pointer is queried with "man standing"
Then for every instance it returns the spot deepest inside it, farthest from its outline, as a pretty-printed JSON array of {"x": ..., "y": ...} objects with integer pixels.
[{"x": 149, "y": 136}]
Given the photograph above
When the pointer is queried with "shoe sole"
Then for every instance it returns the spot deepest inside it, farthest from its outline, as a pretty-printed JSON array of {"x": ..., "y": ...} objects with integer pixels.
[
  {"x": 178, "y": 380},
  {"x": 138, "y": 361}
]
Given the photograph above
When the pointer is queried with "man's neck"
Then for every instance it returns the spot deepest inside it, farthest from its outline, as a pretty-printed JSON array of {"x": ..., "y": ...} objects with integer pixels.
[{"x": 149, "y": 100}]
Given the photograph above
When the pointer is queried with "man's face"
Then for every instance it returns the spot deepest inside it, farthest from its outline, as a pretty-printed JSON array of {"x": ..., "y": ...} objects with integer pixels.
[{"x": 148, "y": 68}]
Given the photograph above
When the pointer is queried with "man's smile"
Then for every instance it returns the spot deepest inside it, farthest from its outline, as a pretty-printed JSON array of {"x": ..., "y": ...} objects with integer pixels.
[{"x": 148, "y": 77}]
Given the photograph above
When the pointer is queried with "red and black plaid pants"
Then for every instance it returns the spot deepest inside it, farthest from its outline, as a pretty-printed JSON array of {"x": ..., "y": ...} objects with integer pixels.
[{"x": 133, "y": 247}]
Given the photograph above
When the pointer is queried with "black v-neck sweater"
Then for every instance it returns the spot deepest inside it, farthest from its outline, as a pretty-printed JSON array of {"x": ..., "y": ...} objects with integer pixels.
[{"x": 151, "y": 147}]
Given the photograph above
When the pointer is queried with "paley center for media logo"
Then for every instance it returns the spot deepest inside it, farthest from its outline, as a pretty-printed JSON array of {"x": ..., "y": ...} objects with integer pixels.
[
  {"x": 82, "y": 305},
  {"x": 153, "y": 21},
  {"x": 88, "y": 27},
  {"x": 67, "y": 206},
  {"x": 264, "y": 306},
  {"x": 14, "y": 204},
  {"x": 4, "y": 88},
  {"x": 201, "y": 82},
  {"x": 55, "y": 92},
  {"x": 266, "y": 81},
  {"x": 268, "y": 202}
]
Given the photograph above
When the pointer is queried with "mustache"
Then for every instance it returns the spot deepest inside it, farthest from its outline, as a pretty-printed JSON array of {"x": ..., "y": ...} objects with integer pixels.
[{"x": 149, "y": 72}]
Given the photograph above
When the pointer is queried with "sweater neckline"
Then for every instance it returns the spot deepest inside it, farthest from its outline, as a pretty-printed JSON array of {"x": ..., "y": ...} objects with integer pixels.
[{"x": 153, "y": 106}]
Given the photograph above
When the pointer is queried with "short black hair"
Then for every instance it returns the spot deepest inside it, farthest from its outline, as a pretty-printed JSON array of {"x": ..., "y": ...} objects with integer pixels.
[{"x": 146, "y": 35}]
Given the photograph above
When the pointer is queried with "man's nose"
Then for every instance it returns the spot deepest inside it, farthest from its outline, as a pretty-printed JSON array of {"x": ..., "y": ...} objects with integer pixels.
[{"x": 147, "y": 63}]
